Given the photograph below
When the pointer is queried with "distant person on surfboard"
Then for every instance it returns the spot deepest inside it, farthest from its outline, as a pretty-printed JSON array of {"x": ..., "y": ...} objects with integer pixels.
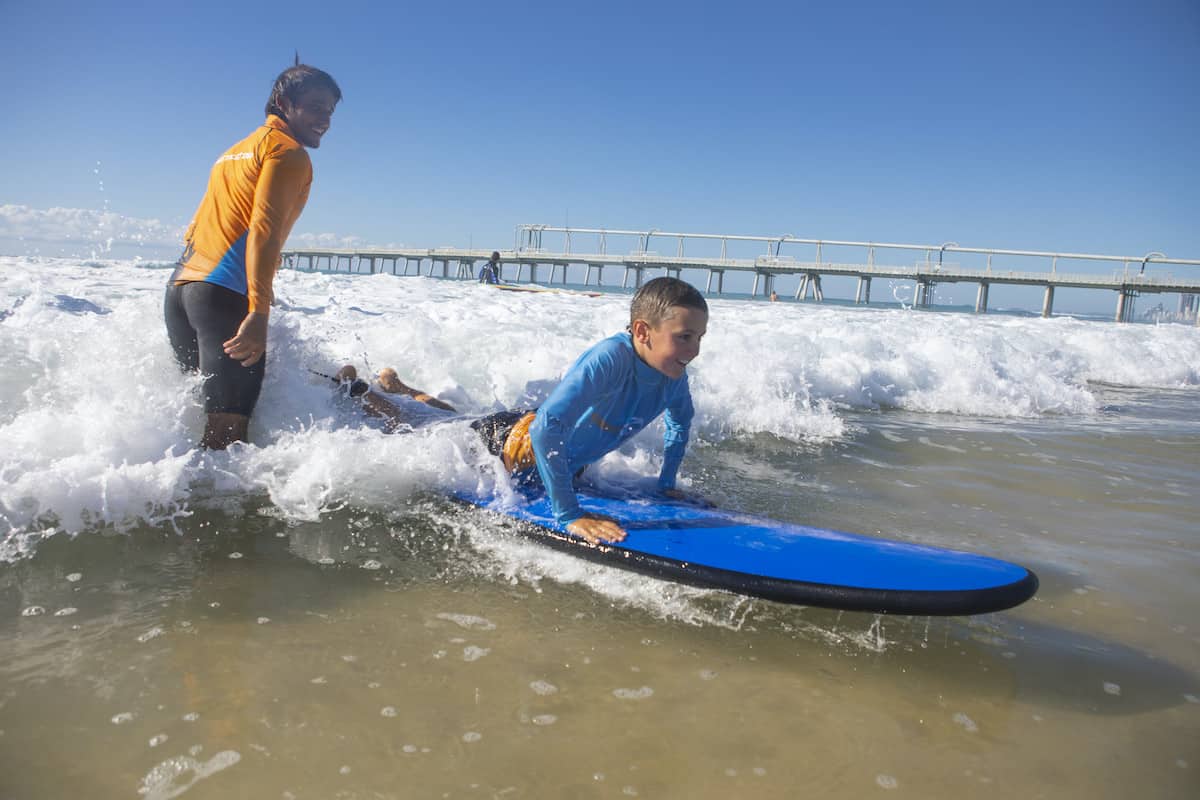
[
  {"x": 490, "y": 272},
  {"x": 219, "y": 297}
]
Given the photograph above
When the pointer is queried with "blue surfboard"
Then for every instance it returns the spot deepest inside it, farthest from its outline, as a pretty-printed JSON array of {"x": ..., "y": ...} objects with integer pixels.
[{"x": 780, "y": 561}]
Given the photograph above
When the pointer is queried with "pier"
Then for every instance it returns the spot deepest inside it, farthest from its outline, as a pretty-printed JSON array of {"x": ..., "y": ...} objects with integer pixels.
[{"x": 807, "y": 259}]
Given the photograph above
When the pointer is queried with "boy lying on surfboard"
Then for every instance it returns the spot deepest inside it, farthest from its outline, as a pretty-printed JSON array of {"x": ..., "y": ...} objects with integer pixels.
[{"x": 614, "y": 390}]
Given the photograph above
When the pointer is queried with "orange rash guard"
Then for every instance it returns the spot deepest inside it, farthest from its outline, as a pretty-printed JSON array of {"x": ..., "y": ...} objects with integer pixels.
[{"x": 256, "y": 192}]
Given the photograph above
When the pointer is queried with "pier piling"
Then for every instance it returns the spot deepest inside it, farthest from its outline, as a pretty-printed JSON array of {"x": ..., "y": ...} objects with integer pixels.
[
  {"x": 862, "y": 293},
  {"x": 1048, "y": 301},
  {"x": 1124, "y": 305},
  {"x": 720, "y": 273}
]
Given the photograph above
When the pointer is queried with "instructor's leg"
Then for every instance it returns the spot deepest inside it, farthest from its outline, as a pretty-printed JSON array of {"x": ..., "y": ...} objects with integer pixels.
[
  {"x": 180, "y": 332},
  {"x": 230, "y": 390},
  {"x": 222, "y": 430}
]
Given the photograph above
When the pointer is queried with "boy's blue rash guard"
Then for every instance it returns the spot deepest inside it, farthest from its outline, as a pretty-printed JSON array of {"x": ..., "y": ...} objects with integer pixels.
[{"x": 606, "y": 397}]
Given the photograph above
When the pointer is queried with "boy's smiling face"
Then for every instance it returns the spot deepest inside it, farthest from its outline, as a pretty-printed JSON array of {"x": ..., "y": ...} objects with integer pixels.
[{"x": 671, "y": 345}]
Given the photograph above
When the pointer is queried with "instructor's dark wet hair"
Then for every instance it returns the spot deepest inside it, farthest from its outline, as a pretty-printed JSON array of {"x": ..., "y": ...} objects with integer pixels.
[
  {"x": 295, "y": 81},
  {"x": 654, "y": 301}
]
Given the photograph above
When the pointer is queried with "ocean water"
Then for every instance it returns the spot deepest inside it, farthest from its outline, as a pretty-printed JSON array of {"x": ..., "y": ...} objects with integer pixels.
[{"x": 307, "y": 617}]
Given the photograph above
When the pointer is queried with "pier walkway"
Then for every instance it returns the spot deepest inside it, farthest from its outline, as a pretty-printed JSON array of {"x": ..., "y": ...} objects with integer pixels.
[{"x": 1137, "y": 275}]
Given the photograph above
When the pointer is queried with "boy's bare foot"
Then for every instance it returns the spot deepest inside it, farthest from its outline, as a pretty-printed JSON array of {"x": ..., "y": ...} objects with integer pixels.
[{"x": 390, "y": 382}]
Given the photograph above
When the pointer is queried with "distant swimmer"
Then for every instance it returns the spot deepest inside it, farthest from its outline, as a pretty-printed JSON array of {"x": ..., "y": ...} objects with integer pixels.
[
  {"x": 218, "y": 298},
  {"x": 490, "y": 272}
]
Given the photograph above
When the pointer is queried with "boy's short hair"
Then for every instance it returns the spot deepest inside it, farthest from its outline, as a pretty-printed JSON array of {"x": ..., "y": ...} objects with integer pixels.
[
  {"x": 654, "y": 301},
  {"x": 295, "y": 81}
]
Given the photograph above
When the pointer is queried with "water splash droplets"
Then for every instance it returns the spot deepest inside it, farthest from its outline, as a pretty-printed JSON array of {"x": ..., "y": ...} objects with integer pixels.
[
  {"x": 965, "y": 722},
  {"x": 153, "y": 633},
  {"x": 473, "y": 653}
]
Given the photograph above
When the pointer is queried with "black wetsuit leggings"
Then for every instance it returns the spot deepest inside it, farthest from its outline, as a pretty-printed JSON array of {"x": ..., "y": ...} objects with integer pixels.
[
  {"x": 201, "y": 317},
  {"x": 495, "y": 428}
]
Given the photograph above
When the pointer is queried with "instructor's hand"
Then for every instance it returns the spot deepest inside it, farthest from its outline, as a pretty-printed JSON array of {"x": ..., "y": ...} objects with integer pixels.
[
  {"x": 596, "y": 529},
  {"x": 249, "y": 344}
]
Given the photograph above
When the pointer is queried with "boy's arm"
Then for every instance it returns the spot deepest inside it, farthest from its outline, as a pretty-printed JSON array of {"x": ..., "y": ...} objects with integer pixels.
[
  {"x": 678, "y": 423},
  {"x": 592, "y": 377}
]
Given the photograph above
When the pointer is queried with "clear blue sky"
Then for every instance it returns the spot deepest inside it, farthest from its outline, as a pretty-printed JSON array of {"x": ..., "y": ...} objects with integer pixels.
[{"x": 1043, "y": 125}]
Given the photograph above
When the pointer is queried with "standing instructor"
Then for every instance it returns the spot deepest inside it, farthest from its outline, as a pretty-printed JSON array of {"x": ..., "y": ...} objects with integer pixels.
[{"x": 218, "y": 298}]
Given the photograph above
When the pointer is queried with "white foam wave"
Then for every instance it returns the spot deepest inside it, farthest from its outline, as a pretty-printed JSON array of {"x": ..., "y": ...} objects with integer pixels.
[{"x": 98, "y": 426}]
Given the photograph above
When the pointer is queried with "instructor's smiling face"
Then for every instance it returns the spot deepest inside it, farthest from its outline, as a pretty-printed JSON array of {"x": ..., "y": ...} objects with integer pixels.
[{"x": 310, "y": 115}]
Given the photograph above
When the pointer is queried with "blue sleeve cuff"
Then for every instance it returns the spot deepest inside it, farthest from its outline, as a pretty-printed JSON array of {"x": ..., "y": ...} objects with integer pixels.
[{"x": 567, "y": 517}]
